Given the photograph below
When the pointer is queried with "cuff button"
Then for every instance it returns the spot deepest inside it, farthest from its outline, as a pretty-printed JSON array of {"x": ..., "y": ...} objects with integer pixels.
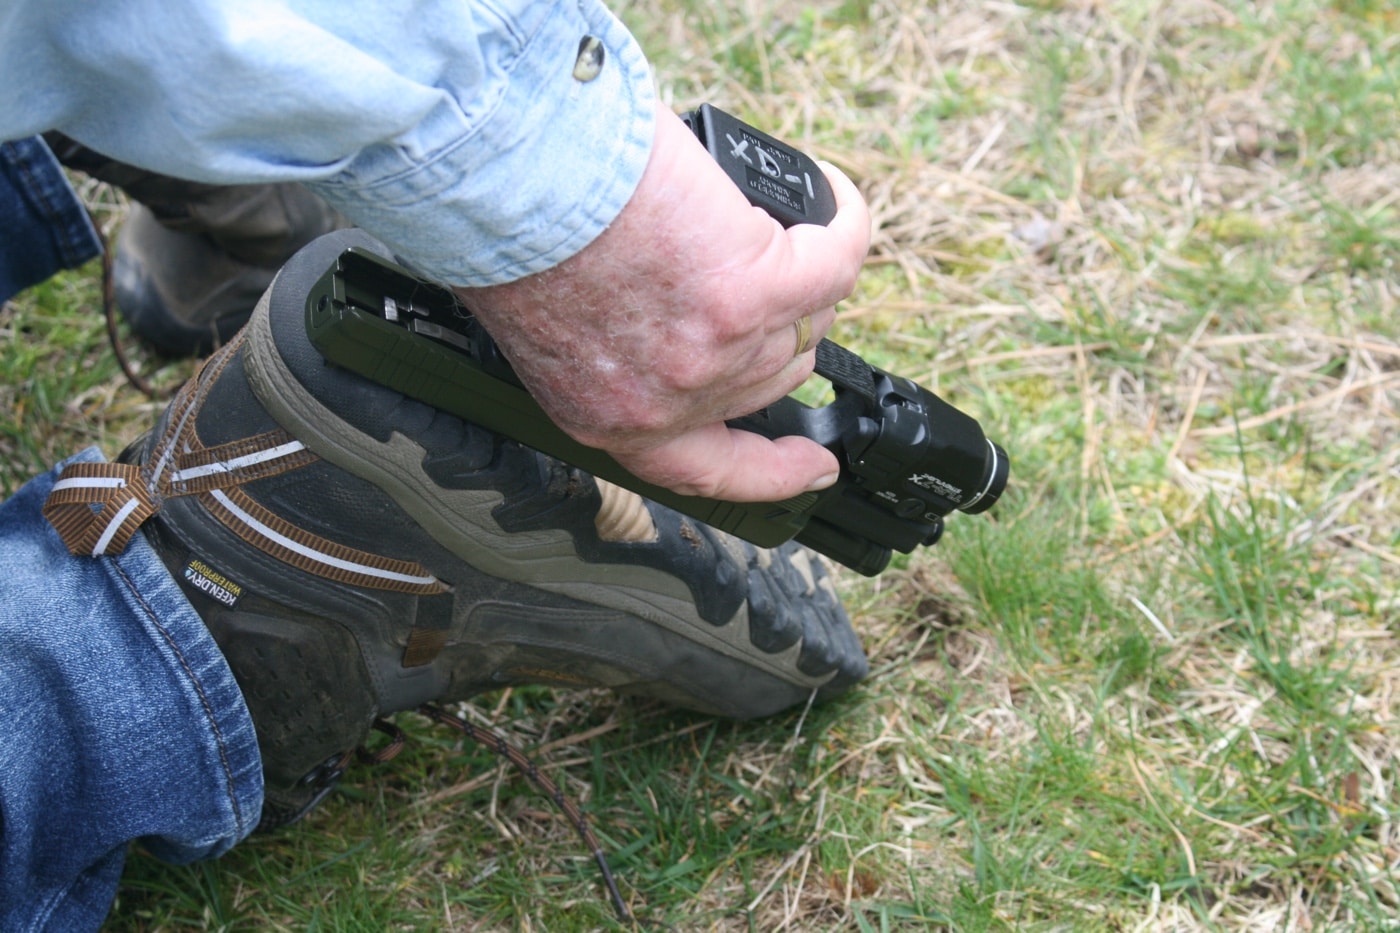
[{"x": 590, "y": 58}]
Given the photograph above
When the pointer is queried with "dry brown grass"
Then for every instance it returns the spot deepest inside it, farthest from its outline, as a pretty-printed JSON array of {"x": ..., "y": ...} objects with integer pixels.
[{"x": 1122, "y": 230}]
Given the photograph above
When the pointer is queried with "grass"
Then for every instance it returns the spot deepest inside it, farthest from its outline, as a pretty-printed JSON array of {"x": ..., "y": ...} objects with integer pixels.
[{"x": 1152, "y": 247}]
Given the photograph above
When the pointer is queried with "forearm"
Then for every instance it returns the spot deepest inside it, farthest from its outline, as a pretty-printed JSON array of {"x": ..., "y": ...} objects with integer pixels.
[
  {"x": 540, "y": 171},
  {"x": 461, "y": 139}
]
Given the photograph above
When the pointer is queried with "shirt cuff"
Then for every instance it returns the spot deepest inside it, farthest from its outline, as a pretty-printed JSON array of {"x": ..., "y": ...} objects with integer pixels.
[{"x": 528, "y": 183}]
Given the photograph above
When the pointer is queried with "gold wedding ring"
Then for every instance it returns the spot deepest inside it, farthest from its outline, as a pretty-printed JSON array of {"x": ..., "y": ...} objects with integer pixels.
[{"x": 804, "y": 334}]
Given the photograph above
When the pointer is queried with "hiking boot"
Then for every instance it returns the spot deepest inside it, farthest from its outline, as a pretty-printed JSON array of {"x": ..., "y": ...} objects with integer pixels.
[
  {"x": 192, "y": 259},
  {"x": 187, "y": 287},
  {"x": 356, "y": 553}
]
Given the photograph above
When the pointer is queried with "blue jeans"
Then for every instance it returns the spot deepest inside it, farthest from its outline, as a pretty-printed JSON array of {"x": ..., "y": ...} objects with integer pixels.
[
  {"x": 119, "y": 721},
  {"x": 46, "y": 227}
]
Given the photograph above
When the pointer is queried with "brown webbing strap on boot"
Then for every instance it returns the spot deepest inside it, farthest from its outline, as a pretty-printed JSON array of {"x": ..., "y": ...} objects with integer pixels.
[
  {"x": 97, "y": 507},
  {"x": 312, "y": 553}
]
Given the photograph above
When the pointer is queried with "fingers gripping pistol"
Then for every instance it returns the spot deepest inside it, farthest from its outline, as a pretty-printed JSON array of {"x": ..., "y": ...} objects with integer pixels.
[{"x": 908, "y": 458}]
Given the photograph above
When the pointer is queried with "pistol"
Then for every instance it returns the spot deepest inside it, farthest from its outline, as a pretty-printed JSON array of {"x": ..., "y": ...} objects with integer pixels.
[{"x": 908, "y": 458}]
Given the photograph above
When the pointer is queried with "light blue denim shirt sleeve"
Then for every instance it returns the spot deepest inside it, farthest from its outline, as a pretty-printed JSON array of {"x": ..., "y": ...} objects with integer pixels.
[{"x": 454, "y": 131}]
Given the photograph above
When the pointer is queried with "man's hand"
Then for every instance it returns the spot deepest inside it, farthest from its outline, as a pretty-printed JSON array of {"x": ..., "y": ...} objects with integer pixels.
[{"x": 679, "y": 316}]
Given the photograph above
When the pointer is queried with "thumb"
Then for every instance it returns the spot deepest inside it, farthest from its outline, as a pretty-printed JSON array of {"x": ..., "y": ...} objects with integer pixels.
[{"x": 719, "y": 462}]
